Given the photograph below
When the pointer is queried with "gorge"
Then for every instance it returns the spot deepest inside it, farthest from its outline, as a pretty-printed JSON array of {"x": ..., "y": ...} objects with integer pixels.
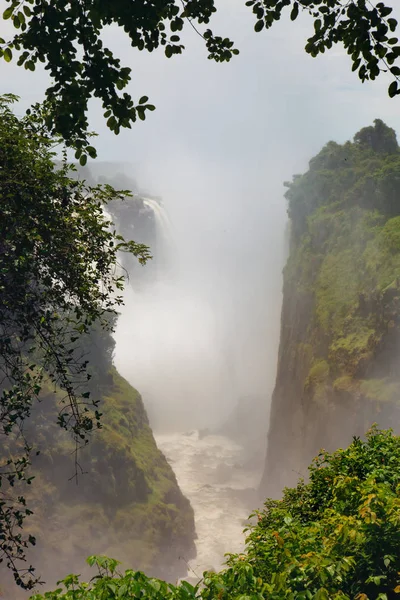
[
  {"x": 339, "y": 347},
  {"x": 337, "y": 367},
  {"x": 170, "y": 492}
]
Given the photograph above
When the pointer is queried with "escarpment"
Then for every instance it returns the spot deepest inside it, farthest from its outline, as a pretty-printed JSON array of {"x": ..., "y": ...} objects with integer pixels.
[
  {"x": 338, "y": 366},
  {"x": 119, "y": 498}
]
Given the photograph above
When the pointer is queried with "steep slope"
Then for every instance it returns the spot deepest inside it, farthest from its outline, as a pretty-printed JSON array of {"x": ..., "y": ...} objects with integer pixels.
[
  {"x": 126, "y": 503},
  {"x": 338, "y": 366}
]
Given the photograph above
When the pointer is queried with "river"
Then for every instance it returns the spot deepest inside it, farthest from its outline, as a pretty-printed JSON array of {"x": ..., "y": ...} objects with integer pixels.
[{"x": 222, "y": 493}]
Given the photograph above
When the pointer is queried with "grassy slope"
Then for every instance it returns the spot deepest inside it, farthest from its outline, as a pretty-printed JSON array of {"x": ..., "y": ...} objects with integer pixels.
[
  {"x": 340, "y": 335},
  {"x": 127, "y": 504}
]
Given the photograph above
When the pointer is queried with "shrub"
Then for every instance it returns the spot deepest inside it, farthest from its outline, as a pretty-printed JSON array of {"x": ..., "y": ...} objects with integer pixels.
[{"x": 336, "y": 537}]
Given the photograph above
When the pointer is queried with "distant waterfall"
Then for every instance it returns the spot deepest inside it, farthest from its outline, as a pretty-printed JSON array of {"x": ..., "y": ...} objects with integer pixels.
[
  {"x": 160, "y": 215},
  {"x": 164, "y": 245}
]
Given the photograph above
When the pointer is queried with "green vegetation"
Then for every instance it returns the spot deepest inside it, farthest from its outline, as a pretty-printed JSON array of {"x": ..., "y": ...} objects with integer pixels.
[
  {"x": 346, "y": 257},
  {"x": 67, "y": 39},
  {"x": 58, "y": 278},
  {"x": 317, "y": 379},
  {"x": 340, "y": 336},
  {"x": 127, "y": 502},
  {"x": 381, "y": 390},
  {"x": 336, "y": 537}
]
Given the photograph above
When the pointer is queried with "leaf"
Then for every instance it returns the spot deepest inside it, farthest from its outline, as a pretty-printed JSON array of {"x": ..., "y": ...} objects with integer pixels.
[
  {"x": 155, "y": 585},
  {"x": 8, "y": 12},
  {"x": 295, "y": 11},
  {"x": 259, "y": 26},
  {"x": 322, "y": 594},
  {"x": 393, "y": 89},
  {"x": 384, "y": 10},
  {"x": 143, "y": 100},
  {"x": 397, "y": 589},
  {"x": 288, "y": 520},
  {"x": 91, "y": 151},
  {"x": 7, "y": 54}
]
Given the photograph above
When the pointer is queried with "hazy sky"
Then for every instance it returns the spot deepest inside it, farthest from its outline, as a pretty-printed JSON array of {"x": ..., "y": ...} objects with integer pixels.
[
  {"x": 273, "y": 105},
  {"x": 223, "y": 139}
]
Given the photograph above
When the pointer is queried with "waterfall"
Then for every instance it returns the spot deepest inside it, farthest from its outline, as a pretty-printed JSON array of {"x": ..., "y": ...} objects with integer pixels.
[
  {"x": 221, "y": 489},
  {"x": 163, "y": 248},
  {"x": 196, "y": 341},
  {"x": 161, "y": 216}
]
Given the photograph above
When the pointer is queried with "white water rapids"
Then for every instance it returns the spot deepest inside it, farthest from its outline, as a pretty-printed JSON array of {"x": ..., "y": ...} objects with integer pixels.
[
  {"x": 221, "y": 492},
  {"x": 197, "y": 341}
]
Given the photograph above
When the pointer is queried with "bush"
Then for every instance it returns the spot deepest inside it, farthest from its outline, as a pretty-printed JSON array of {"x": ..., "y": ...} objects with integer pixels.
[{"x": 337, "y": 536}]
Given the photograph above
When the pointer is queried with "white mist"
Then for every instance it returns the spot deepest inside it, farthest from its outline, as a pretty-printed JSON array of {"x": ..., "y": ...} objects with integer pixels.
[{"x": 202, "y": 336}]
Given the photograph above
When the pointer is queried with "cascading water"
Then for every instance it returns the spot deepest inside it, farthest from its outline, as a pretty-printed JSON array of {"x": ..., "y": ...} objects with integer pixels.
[
  {"x": 164, "y": 243},
  {"x": 221, "y": 489},
  {"x": 193, "y": 340},
  {"x": 172, "y": 332},
  {"x": 161, "y": 217}
]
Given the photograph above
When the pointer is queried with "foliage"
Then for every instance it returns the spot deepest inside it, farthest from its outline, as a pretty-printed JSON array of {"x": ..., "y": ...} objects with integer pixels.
[
  {"x": 109, "y": 584},
  {"x": 346, "y": 259},
  {"x": 380, "y": 138},
  {"x": 58, "y": 276},
  {"x": 335, "y": 537},
  {"x": 66, "y": 37},
  {"x": 127, "y": 503}
]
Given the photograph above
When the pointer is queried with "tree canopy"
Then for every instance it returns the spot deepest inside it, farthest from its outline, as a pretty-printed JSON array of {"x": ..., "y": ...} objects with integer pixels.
[
  {"x": 66, "y": 38},
  {"x": 58, "y": 278},
  {"x": 336, "y": 537}
]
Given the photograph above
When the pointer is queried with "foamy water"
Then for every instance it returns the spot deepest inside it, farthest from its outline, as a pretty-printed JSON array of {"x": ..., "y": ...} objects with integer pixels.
[{"x": 221, "y": 491}]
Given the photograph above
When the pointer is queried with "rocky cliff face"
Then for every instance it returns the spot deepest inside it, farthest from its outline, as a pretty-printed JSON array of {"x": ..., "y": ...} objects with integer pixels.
[
  {"x": 132, "y": 217},
  {"x": 338, "y": 367},
  {"x": 126, "y": 502}
]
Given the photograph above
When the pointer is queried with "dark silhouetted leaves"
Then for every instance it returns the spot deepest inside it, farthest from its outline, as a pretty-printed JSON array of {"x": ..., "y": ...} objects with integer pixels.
[
  {"x": 82, "y": 67},
  {"x": 58, "y": 278},
  {"x": 295, "y": 11}
]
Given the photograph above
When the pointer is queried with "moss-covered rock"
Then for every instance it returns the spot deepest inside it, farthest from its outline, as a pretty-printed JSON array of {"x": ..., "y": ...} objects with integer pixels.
[
  {"x": 340, "y": 334},
  {"x": 125, "y": 503}
]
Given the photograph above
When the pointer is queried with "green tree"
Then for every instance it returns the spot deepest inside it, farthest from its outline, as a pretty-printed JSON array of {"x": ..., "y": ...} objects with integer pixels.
[
  {"x": 110, "y": 584},
  {"x": 58, "y": 278},
  {"x": 66, "y": 38},
  {"x": 336, "y": 537}
]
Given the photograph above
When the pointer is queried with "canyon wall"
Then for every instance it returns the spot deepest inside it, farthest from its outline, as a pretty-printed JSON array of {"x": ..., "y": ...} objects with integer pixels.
[{"x": 338, "y": 366}]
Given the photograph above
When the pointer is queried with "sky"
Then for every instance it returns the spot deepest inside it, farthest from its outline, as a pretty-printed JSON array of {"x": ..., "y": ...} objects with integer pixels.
[
  {"x": 223, "y": 139},
  {"x": 271, "y": 105}
]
